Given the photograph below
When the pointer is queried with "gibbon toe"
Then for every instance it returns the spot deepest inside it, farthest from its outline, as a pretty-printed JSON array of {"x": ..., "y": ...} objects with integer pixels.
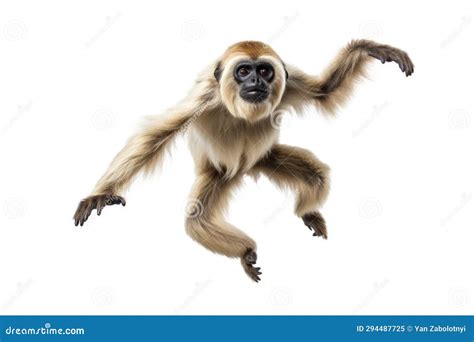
[
  {"x": 315, "y": 222},
  {"x": 248, "y": 262}
]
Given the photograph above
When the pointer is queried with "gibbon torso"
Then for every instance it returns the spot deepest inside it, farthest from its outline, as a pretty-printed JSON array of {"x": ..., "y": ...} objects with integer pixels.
[{"x": 230, "y": 144}]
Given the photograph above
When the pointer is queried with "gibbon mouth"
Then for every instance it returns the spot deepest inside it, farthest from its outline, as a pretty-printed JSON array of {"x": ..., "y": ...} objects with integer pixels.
[{"x": 254, "y": 94}]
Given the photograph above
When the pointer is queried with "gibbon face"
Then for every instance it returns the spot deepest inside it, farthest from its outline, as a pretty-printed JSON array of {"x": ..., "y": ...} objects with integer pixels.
[{"x": 252, "y": 79}]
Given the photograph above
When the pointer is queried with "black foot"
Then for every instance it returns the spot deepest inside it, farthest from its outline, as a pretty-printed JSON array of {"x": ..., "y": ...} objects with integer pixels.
[
  {"x": 97, "y": 202},
  {"x": 315, "y": 222},
  {"x": 248, "y": 262}
]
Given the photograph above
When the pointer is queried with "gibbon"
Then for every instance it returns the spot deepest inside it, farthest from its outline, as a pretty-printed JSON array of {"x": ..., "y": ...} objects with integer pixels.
[{"x": 228, "y": 120}]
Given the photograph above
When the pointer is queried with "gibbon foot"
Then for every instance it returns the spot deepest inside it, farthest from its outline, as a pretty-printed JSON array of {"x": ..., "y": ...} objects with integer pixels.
[
  {"x": 389, "y": 54},
  {"x": 315, "y": 221},
  {"x": 97, "y": 202},
  {"x": 248, "y": 260}
]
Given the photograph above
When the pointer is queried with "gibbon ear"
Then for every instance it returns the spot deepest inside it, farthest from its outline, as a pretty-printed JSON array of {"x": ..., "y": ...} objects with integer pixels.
[{"x": 218, "y": 72}]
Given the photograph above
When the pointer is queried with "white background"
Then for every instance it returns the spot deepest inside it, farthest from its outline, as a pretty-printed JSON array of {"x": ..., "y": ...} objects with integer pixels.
[{"x": 75, "y": 81}]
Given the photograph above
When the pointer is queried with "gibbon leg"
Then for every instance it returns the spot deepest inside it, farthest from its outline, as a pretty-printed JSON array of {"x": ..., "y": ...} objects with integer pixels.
[
  {"x": 298, "y": 169},
  {"x": 205, "y": 221}
]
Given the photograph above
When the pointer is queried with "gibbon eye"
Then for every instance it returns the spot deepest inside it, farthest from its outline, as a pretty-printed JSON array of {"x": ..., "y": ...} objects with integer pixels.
[
  {"x": 266, "y": 71},
  {"x": 243, "y": 71}
]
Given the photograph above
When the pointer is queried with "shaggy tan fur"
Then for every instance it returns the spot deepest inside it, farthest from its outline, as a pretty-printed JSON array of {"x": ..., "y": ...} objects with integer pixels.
[
  {"x": 299, "y": 170},
  {"x": 206, "y": 223},
  {"x": 230, "y": 137}
]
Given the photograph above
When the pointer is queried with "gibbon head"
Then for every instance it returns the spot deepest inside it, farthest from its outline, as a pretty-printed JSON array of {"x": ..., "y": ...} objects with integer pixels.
[{"x": 252, "y": 80}]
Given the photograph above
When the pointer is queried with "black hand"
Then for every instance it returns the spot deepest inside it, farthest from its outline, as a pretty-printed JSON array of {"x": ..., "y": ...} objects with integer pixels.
[
  {"x": 98, "y": 202},
  {"x": 386, "y": 53}
]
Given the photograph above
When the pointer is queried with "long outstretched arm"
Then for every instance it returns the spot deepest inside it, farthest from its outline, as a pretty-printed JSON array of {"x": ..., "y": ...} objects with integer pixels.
[
  {"x": 143, "y": 151},
  {"x": 332, "y": 88}
]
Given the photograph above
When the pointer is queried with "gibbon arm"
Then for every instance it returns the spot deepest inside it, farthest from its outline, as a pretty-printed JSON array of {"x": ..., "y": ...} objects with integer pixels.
[
  {"x": 330, "y": 90},
  {"x": 142, "y": 152}
]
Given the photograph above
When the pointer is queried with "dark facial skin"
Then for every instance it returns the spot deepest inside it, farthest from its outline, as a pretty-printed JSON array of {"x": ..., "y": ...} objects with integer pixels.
[{"x": 254, "y": 79}]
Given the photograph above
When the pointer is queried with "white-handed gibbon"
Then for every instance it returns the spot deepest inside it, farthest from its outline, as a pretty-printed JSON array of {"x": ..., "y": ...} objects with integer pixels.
[{"x": 228, "y": 119}]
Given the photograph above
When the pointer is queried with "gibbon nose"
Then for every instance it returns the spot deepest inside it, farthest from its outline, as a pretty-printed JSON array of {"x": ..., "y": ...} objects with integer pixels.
[{"x": 255, "y": 80}]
